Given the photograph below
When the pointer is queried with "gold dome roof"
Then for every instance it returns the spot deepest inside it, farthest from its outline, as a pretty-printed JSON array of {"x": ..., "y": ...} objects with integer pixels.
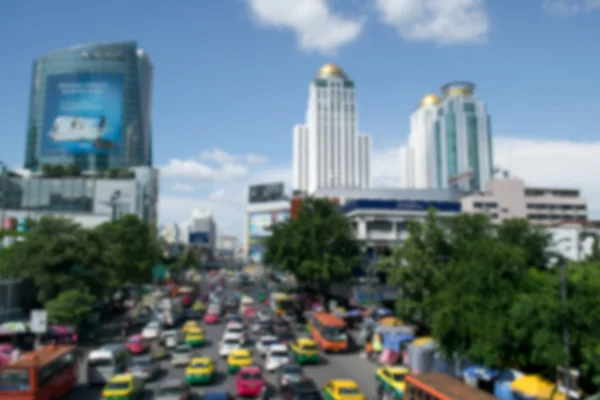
[
  {"x": 430, "y": 100},
  {"x": 329, "y": 70}
]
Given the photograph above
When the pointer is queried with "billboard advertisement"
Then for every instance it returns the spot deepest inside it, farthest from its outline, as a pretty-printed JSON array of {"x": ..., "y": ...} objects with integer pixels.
[
  {"x": 265, "y": 193},
  {"x": 199, "y": 238},
  {"x": 281, "y": 216},
  {"x": 257, "y": 250},
  {"x": 83, "y": 114},
  {"x": 259, "y": 224}
]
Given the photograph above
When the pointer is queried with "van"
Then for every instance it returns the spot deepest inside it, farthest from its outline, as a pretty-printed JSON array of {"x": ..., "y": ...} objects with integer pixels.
[{"x": 106, "y": 362}]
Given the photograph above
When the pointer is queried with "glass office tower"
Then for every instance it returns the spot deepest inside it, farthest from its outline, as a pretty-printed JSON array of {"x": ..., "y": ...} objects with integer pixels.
[{"x": 90, "y": 106}]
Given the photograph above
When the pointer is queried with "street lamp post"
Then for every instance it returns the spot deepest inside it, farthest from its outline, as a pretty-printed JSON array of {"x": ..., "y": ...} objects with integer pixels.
[{"x": 562, "y": 265}]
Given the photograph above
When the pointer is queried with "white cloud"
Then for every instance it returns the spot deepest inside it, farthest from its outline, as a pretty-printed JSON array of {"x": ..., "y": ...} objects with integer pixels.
[
  {"x": 443, "y": 22},
  {"x": 316, "y": 26},
  {"x": 539, "y": 162},
  {"x": 569, "y": 8},
  {"x": 193, "y": 169},
  {"x": 217, "y": 194},
  {"x": 255, "y": 159},
  {"x": 181, "y": 187},
  {"x": 217, "y": 156}
]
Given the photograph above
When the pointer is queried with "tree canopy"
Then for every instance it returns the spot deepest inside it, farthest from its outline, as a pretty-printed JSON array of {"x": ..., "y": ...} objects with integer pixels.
[
  {"x": 489, "y": 293},
  {"x": 317, "y": 245},
  {"x": 63, "y": 258}
]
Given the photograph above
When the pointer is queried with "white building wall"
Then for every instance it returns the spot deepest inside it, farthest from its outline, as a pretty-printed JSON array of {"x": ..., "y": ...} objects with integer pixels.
[
  {"x": 301, "y": 167},
  {"x": 364, "y": 161},
  {"x": 422, "y": 130}
]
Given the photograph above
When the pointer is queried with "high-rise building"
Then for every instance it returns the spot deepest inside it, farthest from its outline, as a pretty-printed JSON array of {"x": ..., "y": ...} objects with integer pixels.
[
  {"x": 90, "y": 106},
  {"x": 450, "y": 143},
  {"x": 328, "y": 151}
]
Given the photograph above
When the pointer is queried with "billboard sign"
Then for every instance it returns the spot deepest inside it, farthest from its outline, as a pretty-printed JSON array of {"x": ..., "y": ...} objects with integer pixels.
[
  {"x": 257, "y": 251},
  {"x": 281, "y": 216},
  {"x": 83, "y": 114},
  {"x": 259, "y": 224},
  {"x": 265, "y": 193},
  {"x": 199, "y": 238}
]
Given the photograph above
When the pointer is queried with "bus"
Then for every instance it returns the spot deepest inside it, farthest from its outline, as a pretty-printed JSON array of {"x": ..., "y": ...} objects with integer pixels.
[
  {"x": 282, "y": 304},
  {"x": 329, "y": 332},
  {"x": 438, "y": 386},
  {"x": 45, "y": 374},
  {"x": 106, "y": 362}
]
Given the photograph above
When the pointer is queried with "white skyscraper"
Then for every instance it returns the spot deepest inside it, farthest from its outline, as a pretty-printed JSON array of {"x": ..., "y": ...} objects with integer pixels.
[
  {"x": 328, "y": 151},
  {"x": 450, "y": 143}
]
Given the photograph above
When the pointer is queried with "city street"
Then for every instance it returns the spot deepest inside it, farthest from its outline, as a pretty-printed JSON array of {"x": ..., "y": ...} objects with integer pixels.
[{"x": 333, "y": 366}]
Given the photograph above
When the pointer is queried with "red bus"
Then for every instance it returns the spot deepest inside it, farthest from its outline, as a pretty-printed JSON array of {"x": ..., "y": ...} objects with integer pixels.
[
  {"x": 437, "y": 386},
  {"x": 45, "y": 374}
]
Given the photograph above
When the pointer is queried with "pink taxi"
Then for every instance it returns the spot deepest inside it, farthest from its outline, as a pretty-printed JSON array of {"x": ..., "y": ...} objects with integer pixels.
[
  {"x": 212, "y": 318},
  {"x": 136, "y": 344},
  {"x": 5, "y": 353},
  {"x": 250, "y": 312},
  {"x": 249, "y": 382}
]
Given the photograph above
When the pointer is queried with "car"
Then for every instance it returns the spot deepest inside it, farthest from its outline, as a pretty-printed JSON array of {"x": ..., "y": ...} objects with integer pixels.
[
  {"x": 123, "y": 386},
  {"x": 170, "y": 338},
  {"x": 234, "y": 317},
  {"x": 234, "y": 327},
  {"x": 195, "y": 337},
  {"x": 263, "y": 344},
  {"x": 173, "y": 390},
  {"x": 250, "y": 312},
  {"x": 190, "y": 325},
  {"x": 286, "y": 336},
  {"x": 342, "y": 389},
  {"x": 249, "y": 382},
  {"x": 214, "y": 308},
  {"x": 144, "y": 367},
  {"x": 136, "y": 344},
  {"x": 305, "y": 351},
  {"x": 290, "y": 373},
  {"x": 229, "y": 343},
  {"x": 305, "y": 389},
  {"x": 277, "y": 356},
  {"x": 212, "y": 318},
  {"x": 237, "y": 359},
  {"x": 390, "y": 382},
  {"x": 263, "y": 316},
  {"x": 152, "y": 330},
  {"x": 217, "y": 395},
  {"x": 181, "y": 356},
  {"x": 200, "y": 370}
]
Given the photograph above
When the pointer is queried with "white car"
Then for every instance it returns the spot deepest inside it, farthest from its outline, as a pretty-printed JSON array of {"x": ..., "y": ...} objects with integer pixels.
[
  {"x": 234, "y": 328},
  {"x": 214, "y": 308},
  {"x": 181, "y": 356},
  {"x": 277, "y": 355},
  {"x": 152, "y": 330},
  {"x": 264, "y": 343},
  {"x": 229, "y": 343},
  {"x": 170, "y": 338}
]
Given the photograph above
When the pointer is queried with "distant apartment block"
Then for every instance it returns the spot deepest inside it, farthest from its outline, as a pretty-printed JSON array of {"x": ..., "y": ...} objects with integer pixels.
[{"x": 507, "y": 198}]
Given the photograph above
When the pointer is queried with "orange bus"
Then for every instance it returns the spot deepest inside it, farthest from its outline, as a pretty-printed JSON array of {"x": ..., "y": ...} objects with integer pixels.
[
  {"x": 437, "y": 386},
  {"x": 45, "y": 374},
  {"x": 329, "y": 332}
]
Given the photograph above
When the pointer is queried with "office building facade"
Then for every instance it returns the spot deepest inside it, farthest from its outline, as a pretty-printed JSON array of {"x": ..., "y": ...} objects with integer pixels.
[
  {"x": 89, "y": 201},
  {"x": 450, "y": 143},
  {"x": 328, "y": 150},
  {"x": 90, "y": 107}
]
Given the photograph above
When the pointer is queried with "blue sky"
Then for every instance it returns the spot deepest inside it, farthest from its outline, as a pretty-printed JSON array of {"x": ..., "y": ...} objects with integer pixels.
[{"x": 231, "y": 79}]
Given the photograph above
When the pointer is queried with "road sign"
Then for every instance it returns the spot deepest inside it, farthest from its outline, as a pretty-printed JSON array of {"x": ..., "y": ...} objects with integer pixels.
[{"x": 38, "y": 321}]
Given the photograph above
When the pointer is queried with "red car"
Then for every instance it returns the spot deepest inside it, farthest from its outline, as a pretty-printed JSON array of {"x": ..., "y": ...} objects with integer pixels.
[
  {"x": 136, "y": 344},
  {"x": 250, "y": 312},
  {"x": 249, "y": 382},
  {"x": 210, "y": 318}
]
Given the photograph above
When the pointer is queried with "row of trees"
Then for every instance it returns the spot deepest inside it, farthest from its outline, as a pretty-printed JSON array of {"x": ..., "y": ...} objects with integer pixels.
[
  {"x": 72, "y": 170},
  {"x": 489, "y": 293},
  {"x": 72, "y": 266}
]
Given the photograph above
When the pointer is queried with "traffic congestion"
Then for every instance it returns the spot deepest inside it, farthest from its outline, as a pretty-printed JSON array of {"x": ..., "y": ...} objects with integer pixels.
[{"x": 234, "y": 340}]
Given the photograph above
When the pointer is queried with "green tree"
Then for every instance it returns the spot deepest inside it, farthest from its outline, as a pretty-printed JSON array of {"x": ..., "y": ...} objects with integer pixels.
[
  {"x": 131, "y": 249},
  {"x": 317, "y": 246},
  {"x": 58, "y": 255},
  {"x": 70, "y": 307}
]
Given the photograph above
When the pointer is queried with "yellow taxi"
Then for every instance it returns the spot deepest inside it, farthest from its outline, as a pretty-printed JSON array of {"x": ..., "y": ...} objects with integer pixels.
[
  {"x": 195, "y": 337},
  {"x": 305, "y": 351},
  {"x": 190, "y": 325},
  {"x": 238, "y": 359},
  {"x": 198, "y": 306},
  {"x": 390, "y": 382},
  {"x": 123, "y": 387},
  {"x": 200, "y": 370},
  {"x": 342, "y": 389}
]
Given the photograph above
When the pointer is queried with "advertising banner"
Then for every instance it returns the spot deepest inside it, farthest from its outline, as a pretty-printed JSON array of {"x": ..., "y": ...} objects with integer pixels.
[
  {"x": 259, "y": 224},
  {"x": 257, "y": 251},
  {"x": 202, "y": 238},
  {"x": 266, "y": 192},
  {"x": 83, "y": 114},
  {"x": 281, "y": 216}
]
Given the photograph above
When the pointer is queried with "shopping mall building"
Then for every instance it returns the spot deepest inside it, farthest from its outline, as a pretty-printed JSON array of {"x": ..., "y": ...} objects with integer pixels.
[{"x": 90, "y": 107}]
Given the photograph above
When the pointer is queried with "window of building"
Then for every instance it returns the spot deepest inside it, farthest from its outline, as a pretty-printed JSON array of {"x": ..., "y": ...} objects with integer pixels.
[{"x": 469, "y": 107}]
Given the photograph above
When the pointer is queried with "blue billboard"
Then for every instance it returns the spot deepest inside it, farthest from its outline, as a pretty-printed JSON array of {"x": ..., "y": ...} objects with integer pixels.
[
  {"x": 402, "y": 205},
  {"x": 202, "y": 238},
  {"x": 83, "y": 114}
]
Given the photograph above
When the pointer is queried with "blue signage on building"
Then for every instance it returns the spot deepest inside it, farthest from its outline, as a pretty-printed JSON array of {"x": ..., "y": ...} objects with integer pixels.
[
  {"x": 83, "y": 114},
  {"x": 199, "y": 238},
  {"x": 402, "y": 205}
]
